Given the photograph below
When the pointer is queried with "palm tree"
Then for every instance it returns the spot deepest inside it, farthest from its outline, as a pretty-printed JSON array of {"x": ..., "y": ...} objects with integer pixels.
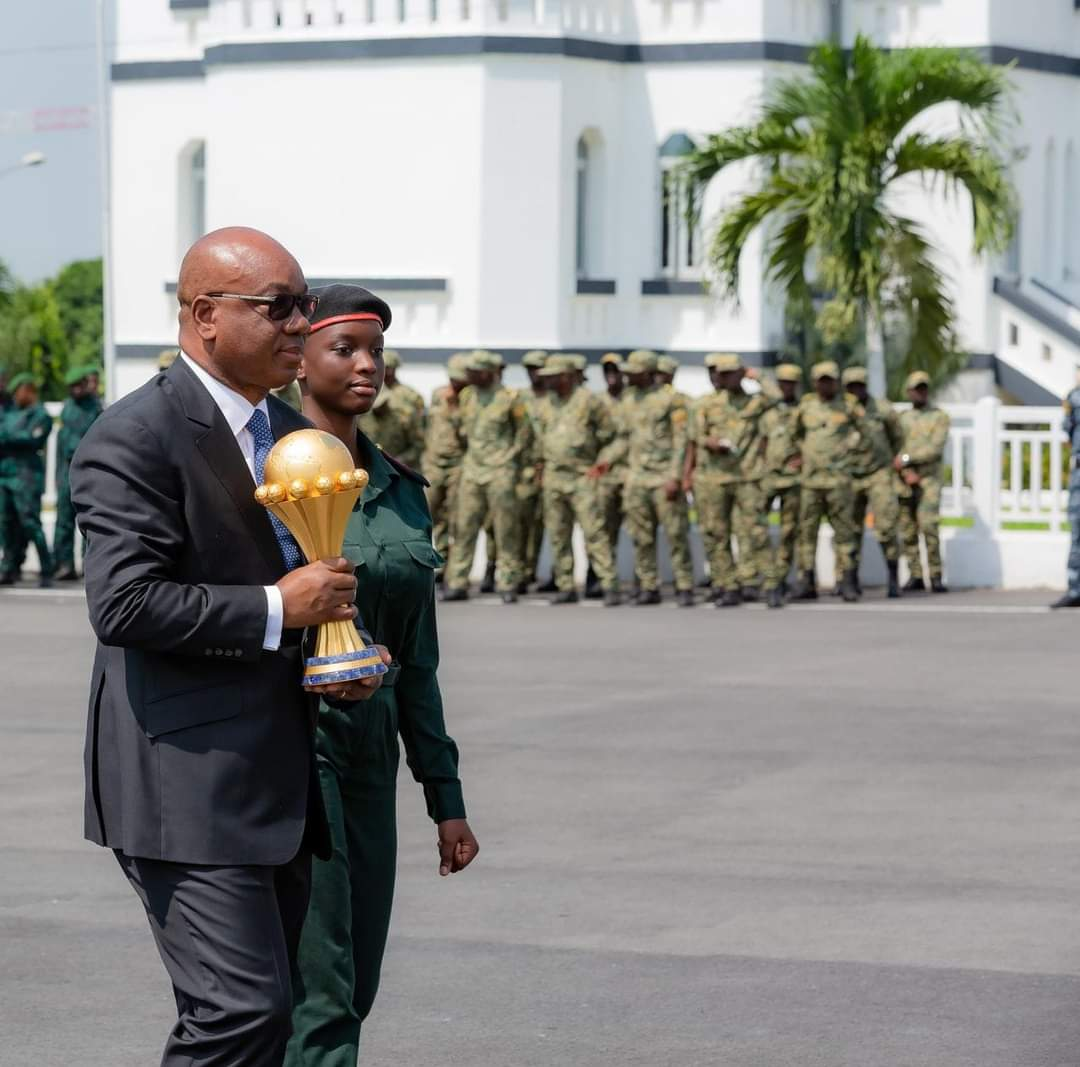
[{"x": 832, "y": 149}]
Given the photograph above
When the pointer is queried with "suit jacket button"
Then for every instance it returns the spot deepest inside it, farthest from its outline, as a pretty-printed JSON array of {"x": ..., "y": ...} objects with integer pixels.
[
  {"x": 208, "y": 651},
  {"x": 238, "y": 652},
  {"x": 219, "y": 651}
]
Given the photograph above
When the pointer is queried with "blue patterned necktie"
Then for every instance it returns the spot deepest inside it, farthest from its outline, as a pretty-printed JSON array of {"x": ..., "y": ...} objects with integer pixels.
[{"x": 259, "y": 428}]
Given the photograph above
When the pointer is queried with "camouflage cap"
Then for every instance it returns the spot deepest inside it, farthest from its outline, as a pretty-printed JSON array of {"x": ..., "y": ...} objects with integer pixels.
[
  {"x": 723, "y": 361},
  {"x": 789, "y": 372},
  {"x": 478, "y": 359},
  {"x": 854, "y": 375},
  {"x": 667, "y": 365},
  {"x": 391, "y": 358},
  {"x": 559, "y": 364},
  {"x": 500, "y": 363},
  {"x": 640, "y": 361},
  {"x": 579, "y": 361},
  {"x": 457, "y": 366},
  {"x": 825, "y": 369},
  {"x": 167, "y": 357},
  {"x": 611, "y": 359},
  {"x": 536, "y": 358},
  {"x": 917, "y": 378},
  {"x": 20, "y": 379}
]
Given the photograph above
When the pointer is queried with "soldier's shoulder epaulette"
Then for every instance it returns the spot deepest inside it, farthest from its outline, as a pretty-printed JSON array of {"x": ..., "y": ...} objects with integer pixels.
[{"x": 405, "y": 469}]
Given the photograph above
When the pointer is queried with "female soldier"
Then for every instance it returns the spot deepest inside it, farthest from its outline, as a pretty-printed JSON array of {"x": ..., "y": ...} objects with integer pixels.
[{"x": 389, "y": 541}]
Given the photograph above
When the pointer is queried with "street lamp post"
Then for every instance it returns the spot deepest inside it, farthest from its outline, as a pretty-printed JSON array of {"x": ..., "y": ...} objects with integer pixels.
[{"x": 31, "y": 159}]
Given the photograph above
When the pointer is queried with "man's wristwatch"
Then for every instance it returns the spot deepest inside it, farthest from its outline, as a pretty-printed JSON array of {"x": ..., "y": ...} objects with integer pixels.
[{"x": 905, "y": 459}]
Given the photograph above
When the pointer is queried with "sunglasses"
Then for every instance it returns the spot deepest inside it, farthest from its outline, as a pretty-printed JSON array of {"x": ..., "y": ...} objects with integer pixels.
[{"x": 280, "y": 307}]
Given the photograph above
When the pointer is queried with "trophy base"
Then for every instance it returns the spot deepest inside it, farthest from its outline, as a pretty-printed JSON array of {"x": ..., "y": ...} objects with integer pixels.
[{"x": 344, "y": 667}]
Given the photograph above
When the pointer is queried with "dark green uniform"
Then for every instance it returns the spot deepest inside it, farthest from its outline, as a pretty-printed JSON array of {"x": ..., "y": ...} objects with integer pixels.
[
  {"x": 12, "y": 545},
  {"x": 389, "y": 541},
  {"x": 76, "y": 418},
  {"x": 24, "y": 433}
]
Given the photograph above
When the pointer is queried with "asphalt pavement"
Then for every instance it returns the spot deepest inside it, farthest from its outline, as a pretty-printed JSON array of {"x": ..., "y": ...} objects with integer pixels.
[{"x": 835, "y": 835}]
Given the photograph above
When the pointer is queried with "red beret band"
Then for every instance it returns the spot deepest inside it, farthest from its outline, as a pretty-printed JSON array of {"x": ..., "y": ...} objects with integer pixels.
[{"x": 359, "y": 316}]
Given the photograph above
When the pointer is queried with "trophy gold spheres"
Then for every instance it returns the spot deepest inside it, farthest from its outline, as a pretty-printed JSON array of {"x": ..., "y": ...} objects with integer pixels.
[{"x": 311, "y": 486}]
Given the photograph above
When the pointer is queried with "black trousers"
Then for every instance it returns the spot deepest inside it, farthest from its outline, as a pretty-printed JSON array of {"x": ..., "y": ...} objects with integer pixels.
[{"x": 228, "y": 937}]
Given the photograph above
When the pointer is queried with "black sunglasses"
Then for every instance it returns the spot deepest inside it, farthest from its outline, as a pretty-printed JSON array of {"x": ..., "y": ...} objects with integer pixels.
[{"x": 280, "y": 307}]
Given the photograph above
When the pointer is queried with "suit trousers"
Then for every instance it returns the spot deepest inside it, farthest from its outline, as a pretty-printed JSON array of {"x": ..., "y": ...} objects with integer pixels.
[{"x": 228, "y": 937}]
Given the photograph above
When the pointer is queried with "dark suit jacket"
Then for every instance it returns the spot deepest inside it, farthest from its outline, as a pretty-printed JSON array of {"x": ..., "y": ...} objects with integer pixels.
[{"x": 199, "y": 745}]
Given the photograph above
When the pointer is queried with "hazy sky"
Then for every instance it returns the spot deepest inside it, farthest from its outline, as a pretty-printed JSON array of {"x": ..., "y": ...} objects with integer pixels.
[{"x": 48, "y": 98}]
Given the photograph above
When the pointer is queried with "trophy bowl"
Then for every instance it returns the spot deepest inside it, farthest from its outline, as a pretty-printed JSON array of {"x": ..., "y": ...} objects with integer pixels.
[{"x": 312, "y": 486}]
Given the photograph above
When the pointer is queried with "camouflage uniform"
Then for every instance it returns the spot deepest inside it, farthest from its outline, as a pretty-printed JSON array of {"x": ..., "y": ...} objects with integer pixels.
[
  {"x": 657, "y": 425},
  {"x": 76, "y": 418},
  {"x": 609, "y": 487},
  {"x": 396, "y": 423},
  {"x": 577, "y": 433},
  {"x": 498, "y": 434},
  {"x": 24, "y": 433},
  {"x": 874, "y": 479},
  {"x": 290, "y": 394},
  {"x": 444, "y": 450},
  {"x": 728, "y": 488},
  {"x": 782, "y": 482},
  {"x": 827, "y": 432},
  {"x": 531, "y": 510},
  {"x": 926, "y": 431}
]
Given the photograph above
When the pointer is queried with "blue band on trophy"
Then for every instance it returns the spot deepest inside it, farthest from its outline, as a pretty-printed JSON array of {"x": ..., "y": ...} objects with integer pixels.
[{"x": 345, "y": 676}]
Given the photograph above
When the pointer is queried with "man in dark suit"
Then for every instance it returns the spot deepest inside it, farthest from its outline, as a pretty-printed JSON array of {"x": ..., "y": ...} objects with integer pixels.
[{"x": 199, "y": 756}]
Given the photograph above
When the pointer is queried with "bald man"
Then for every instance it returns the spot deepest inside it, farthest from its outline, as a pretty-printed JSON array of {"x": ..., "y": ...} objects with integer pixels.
[{"x": 199, "y": 750}]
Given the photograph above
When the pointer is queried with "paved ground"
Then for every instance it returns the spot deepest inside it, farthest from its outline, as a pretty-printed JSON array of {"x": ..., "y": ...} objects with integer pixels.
[{"x": 846, "y": 836}]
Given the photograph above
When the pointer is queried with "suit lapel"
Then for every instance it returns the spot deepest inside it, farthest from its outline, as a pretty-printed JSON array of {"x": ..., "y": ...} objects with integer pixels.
[{"x": 222, "y": 454}]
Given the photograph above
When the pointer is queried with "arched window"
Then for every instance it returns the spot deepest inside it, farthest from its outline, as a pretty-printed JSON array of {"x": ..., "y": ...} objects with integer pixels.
[
  {"x": 679, "y": 243},
  {"x": 589, "y": 205},
  {"x": 191, "y": 194},
  {"x": 1068, "y": 229},
  {"x": 1049, "y": 212}
]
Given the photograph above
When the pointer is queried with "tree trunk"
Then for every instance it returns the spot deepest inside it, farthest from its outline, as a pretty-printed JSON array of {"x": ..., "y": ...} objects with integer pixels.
[{"x": 874, "y": 350}]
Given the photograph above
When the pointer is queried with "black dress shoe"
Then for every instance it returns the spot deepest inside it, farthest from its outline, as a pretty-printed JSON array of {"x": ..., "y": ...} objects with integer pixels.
[
  {"x": 647, "y": 597},
  {"x": 566, "y": 596},
  {"x": 7, "y": 578},
  {"x": 685, "y": 598},
  {"x": 612, "y": 598},
  {"x": 1067, "y": 601},
  {"x": 45, "y": 582},
  {"x": 915, "y": 585},
  {"x": 732, "y": 598},
  {"x": 449, "y": 595},
  {"x": 509, "y": 598},
  {"x": 938, "y": 586}
]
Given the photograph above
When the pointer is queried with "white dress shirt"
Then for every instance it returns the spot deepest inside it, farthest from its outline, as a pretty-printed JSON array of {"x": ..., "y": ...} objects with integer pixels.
[{"x": 237, "y": 410}]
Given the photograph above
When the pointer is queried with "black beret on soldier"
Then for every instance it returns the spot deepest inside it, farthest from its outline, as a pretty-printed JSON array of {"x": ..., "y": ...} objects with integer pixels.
[{"x": 348, "y": 303}]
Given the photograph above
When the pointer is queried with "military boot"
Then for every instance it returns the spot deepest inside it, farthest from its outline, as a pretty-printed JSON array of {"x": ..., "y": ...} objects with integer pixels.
[
  {"x": 488, "y": 584},
  {"x": 731, "y": 598},
  {"x": 750, "y": 594},
  {"x": 449, "y": 595},
  {"x": 593, "y": 589},
  {"x": 849, "y": 587},
  {"x": 915, "y": 585},
  {"x": 548, "y": 587},
  {"x": 565, "y": 596},
  {"x": 612, "y": 598},
  {"x": 776, "y": 598},
  {"x": 805, "y": 587},
  {"x": 894, "y": 580},
  {"x": 647, "y": 597},
  {"x": 685, "y": 598},
  {"x": 938, "y": 586}
]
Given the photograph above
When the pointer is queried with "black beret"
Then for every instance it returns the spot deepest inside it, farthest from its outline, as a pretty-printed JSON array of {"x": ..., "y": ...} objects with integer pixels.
[{"x": 341, "y": 303}]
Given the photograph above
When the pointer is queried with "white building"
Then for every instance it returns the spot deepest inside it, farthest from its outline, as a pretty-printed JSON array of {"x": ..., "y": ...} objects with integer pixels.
[{"x": 495, "y": 168}]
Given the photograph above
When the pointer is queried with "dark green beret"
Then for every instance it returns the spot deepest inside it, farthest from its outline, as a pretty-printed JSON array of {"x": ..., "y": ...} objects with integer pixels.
[
  {"x": 22, "y": 378},
  {"x": 342, "y": 303}
]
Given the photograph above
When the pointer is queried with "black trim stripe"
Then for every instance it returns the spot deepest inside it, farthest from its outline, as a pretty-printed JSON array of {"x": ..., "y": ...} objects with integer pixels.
[
  {"x": 298, "y": 51},
  {"x": 595, "y": 287}
]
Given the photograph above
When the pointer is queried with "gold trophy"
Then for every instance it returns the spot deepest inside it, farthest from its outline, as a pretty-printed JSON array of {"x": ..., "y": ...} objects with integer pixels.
[{"x": 312, "y": 486}]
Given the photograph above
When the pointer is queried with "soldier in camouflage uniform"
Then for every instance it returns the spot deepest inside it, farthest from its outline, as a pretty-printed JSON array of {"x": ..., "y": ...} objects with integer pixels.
[
  {"x": 444, "y": 450},
  {"x": 827, "y": 427},
  {"x": 498, "y": 433},
  {"x": 24, "y": 432},
  {"x": 783, "y": 463},
  {"x": 655, "y": 443},
  {"x": 926, "y": 431},
  {"x": 530, "y": 498},
  {"x": 609, "y": 486},
  {"x": 728, "y": 464},
  {"x": 874, "y": 476},
  {"x": 576, "y": 442},
  {"x": 79, "y": 413},
  {"x": 396, "y": 420}
]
